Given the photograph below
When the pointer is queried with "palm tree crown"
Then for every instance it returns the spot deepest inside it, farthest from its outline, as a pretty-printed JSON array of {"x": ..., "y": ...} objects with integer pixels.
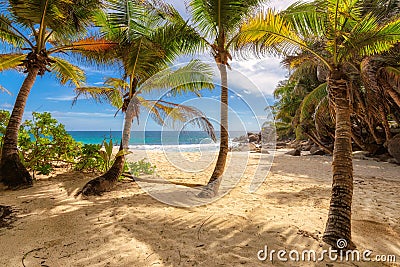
[{"x": 35, "y": 30}]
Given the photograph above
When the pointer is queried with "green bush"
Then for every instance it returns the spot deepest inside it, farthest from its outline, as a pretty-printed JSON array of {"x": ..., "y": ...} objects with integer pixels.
[
  {"x": 106, "y": 154},
  {"x": 94, "y": 158},
  {"x": 141, "y": 167},
  {"x": 44, "y": 144},
  {"x": 4, "y": 118},
  {"x": 89, "y": 158}
]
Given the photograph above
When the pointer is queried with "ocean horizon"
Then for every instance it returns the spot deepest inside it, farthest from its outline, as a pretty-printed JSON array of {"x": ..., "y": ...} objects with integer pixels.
[{"x": 154, "y": 140}]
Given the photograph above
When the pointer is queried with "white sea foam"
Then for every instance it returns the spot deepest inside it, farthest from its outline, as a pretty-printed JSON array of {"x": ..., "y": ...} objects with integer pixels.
[{"x": 182, "y": 148}]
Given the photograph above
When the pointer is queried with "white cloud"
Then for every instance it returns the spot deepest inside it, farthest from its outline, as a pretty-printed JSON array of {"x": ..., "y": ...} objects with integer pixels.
[
  {"x": 7, "y": 105},
  {"x": 280, "y": 4},
  {"x": 257, "y": 75},
  {"x": 254, "y": 76},
  {"x": 70, "y": 114},
  {"x": 105, "y": 71},
  {"x": 61, "y": 98},
  {"x": 180, "y": 6},
  {"x": 59, "y": 114}
]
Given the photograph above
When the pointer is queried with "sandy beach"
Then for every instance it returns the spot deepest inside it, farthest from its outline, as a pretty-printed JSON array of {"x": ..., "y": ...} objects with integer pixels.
[{"x": 128, "y": 227}]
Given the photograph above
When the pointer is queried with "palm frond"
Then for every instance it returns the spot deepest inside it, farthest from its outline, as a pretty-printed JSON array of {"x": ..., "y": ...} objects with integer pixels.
[
  {"x": 288, "y": 101},
  {"x": 65, "y": 18},
  {"x": 116, "y": 83},
  {"x": 9, "y": 34},
  {"x": 201, "y": 12},
  {"x": 90, "y": 44},
  {"x": 134, "y": 19},
  {"x": 298, "y": 60},
  {"x": 271, "y": 33},
  {"x": 311, "y": 101},
  {"x": 174, "y": 115},
  {"x": 143, "y": 58},
  {"x": 322, "y": 118},
  {"x": 193, "y": 77},
  {"x": 222, "y": 16},
  {"x": 393, "y": 75},
  {"x": 109, "y": 95},
  {"x": 91, "y": 49},
  {"x": 307, "y": 18},
  {"x": 177, "y": 38},
  {"x": 133, "y": 107},
  {"x": 67, "y": 72},
  {"x": 342, "y": 14},
  {"x": 368, "y": 37},
  {"x": 10, "y": 61},
  {"x": 385, "y": 10}
]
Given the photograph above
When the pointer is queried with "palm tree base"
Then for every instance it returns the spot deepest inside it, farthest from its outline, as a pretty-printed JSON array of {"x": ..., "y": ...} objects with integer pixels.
[
  {"x": 210, "y": 190},
  {"x": 206, "y": 194},
  {"x": 97, "y": 186},
  {"x": 13, "y": 173},
  {"x": 105, "y": 182}
]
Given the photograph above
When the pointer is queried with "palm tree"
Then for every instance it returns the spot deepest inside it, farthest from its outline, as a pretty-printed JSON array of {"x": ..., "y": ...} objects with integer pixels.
[
  {"x": 149, "y": 37},
  {"x": 35, "y": 31},
  {"x": 216, "y": 23},
  {"x": 346, "y": 36}
]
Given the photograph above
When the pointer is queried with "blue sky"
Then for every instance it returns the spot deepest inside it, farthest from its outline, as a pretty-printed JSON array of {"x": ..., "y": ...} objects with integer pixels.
[{"x": 251, "y": 83}]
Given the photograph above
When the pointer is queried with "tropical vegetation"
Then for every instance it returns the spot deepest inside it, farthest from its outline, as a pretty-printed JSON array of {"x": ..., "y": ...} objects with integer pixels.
[{"x": 335, "y": 34}]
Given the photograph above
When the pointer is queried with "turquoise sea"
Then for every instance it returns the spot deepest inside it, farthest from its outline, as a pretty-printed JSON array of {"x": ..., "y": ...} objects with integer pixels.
[{"x": 154, "y": 140}]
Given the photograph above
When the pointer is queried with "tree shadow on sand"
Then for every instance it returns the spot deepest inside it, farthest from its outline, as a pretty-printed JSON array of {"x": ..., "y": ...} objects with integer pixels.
[{"x": 127, "y": 227}]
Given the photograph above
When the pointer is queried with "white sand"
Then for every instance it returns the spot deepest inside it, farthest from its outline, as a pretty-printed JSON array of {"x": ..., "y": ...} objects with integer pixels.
[{"x": 127, "y": 227}]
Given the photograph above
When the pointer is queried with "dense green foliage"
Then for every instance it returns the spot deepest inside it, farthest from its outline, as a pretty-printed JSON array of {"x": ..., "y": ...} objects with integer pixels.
[
  {"x": 45, "y": 145},
  {"x": 4, "y": 117},
  {"x": 291, "y": 111},
  {"x": 89, "y": 158}
]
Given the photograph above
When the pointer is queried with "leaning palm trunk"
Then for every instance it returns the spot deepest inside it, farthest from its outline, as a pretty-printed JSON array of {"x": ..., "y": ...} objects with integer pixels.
[
  {"x": 12, "y": 172},
  {"x": 108, "y": 180},
  {"x": 212, "y": 187},
  {"x": 338, "y": 225}
]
